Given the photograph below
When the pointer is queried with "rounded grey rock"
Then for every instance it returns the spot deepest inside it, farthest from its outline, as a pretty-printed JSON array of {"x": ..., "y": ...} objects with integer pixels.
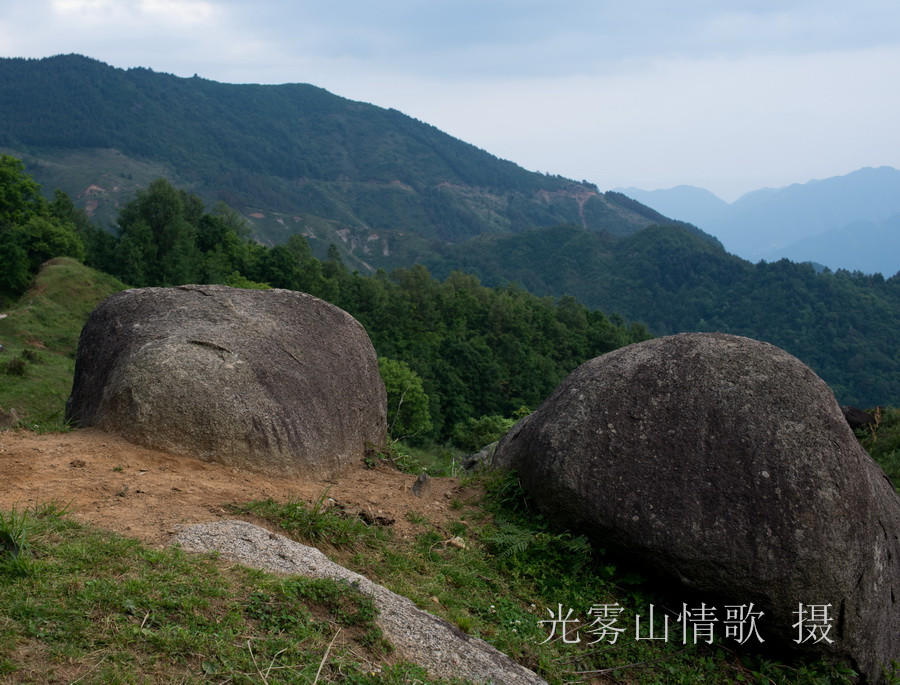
[
  {"x": 272, "y": 380},
  {"x": 726, "y": 464}
]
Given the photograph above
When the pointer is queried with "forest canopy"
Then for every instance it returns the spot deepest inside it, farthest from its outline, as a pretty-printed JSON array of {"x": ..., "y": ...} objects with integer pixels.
[
  {"x": 464, "y": 350},
  {"x": 453, "y": 349}
]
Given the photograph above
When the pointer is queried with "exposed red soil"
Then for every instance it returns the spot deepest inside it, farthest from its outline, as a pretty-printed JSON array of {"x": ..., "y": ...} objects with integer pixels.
[{"x": 148, "y": 494}]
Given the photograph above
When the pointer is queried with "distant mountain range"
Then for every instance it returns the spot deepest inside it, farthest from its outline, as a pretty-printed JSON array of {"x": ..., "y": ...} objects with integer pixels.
[
  {"x": 390, "y": 191},
  {"x": 846, "y": 222}
]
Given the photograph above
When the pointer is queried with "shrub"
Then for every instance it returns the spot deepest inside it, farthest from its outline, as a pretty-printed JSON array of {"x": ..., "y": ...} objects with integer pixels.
[
  {"x": 15, "y": 367},
  {"x": 473, "y": 434}
]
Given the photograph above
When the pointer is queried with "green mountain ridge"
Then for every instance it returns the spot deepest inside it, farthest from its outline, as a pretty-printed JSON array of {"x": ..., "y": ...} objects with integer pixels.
[
  {"x": 392, "y": 192},
  {"x": 327, "y": 163}
]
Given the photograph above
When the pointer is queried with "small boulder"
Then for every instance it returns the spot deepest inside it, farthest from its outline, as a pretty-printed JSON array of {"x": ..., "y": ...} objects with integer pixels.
[
  {"x": 8, "y": 419},
  {"x": 482, "y": 457},
  {"x": 857, "y": 418},
  {"x": 272, "y": 380},
  {"x": 726, "y": 464}
]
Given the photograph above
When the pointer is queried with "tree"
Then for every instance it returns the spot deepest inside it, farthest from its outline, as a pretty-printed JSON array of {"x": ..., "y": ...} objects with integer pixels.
[
  {"x": 473, "y": 434},
  {"x": 20, "y": 195},
  {"x": 30, "y": 233},
  {"x": 408, "y": 415},
  {"x": 161, "y": 222},
  {"x": 15, "y": 274},
  {"x": 45, "y": 237}
]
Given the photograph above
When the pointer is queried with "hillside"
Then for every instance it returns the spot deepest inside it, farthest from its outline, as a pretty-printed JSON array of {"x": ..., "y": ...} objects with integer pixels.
[
  {"x": 842, "y": 325},
  {"x": 844, "y": 222},
  {"x": 38, "y": 338},
  {"x": 393, "y": 192},
  {"x": 861, "y": 245},
  {"x": 291, "y": 158}
]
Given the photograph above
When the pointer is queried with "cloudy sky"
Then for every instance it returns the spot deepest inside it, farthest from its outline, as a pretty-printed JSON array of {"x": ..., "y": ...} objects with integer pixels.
[{"x": 728, "y": 95}]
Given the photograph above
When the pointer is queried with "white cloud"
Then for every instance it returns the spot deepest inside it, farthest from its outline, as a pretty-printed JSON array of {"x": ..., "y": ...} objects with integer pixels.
[
  {"x": 648, "y": 93},
  {"x": 80, "y": 6},
  {"x": 181, "y": 11}
]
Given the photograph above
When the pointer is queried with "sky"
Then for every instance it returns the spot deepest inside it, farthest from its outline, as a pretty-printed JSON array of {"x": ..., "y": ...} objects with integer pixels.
[{"x": 730, "y": 96}]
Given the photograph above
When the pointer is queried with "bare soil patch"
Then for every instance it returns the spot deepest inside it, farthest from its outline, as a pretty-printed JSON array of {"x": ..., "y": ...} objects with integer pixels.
[{"x": 149, "y": 494}]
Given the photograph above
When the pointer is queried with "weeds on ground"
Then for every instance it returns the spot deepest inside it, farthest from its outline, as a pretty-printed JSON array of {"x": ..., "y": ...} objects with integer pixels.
[
  {"x": 434, "y": 460},
  {"x": 320, "y": 522},
  {"x": 94, "y": 607},
  {"x": 514, "y": 573}
]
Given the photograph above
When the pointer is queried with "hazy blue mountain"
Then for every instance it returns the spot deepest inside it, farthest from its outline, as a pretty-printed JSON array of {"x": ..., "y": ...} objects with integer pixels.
[
  {"x": 871, "y": 247},
  {"x": 688, "y": 203},
  {"x": 829, "y": 221},
  {"x": 767, "y": 220}
]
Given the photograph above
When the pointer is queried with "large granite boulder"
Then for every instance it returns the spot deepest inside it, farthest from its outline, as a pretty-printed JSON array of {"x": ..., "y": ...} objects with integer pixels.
[
  {"x": 726, "y": 464},
  {"x": 273, "y": 380}
]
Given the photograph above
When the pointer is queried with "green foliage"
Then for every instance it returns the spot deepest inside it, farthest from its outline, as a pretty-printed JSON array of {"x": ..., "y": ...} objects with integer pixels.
[
  {"x": 408, "y": 412},
  {"x": 473, "y": 434},
  {"x": 882, "y": 441},
  {"x": 479, "y": 351},
  {"x": 15, "y": 275},
  {"x": 235, "y": 280},
  {"x": 20, "y": 195},
  {"x": 843, "y": 325},
  {"x": 30, "y": 232},
  {"x": 45, "y": 237}
]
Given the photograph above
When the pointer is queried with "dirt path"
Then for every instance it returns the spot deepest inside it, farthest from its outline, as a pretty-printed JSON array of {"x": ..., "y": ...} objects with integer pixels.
[{"x": 148, "y": 494}]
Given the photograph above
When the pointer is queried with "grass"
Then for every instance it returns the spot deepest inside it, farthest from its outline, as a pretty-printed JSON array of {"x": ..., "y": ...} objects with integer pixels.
[
  {"x": 315, "y": 524},
  {"x": 80, "y": 604},
  {"x": 39, "y": 336},
  {"x": 512, "y": 569}
]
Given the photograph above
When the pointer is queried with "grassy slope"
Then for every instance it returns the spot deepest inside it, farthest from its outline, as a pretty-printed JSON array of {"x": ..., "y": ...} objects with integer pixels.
[
  {"x": 81, "y": 605},
  {"x": 42, "y": 331},
  {"x": 77, "y": 602},
  {"x": 157, "y": 616}
]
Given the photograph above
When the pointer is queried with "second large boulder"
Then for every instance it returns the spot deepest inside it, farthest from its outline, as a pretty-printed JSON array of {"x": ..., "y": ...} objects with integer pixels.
[
  {"x": 726, "y": 464},
  {"x": 272, "y": 380}
]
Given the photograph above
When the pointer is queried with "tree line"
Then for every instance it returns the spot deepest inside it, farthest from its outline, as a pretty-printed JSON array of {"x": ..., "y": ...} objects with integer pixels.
[{"x": 455, "y": 350}]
